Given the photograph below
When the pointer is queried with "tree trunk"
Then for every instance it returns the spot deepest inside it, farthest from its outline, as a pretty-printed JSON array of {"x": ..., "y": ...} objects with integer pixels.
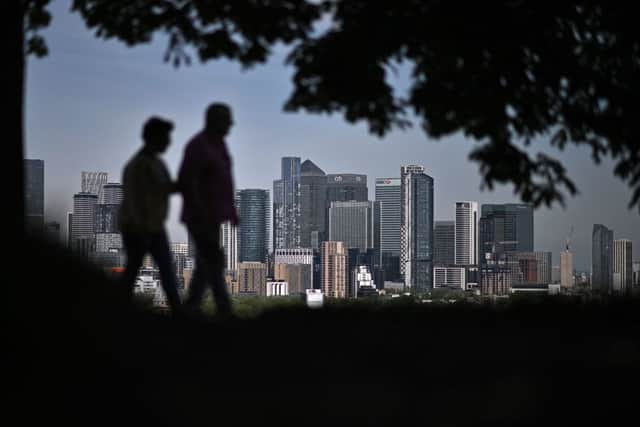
[{"x": 14, "y": 90}]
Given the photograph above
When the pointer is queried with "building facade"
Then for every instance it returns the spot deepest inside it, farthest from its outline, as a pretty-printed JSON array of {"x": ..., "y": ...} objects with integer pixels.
[
  {"x": 286, "y": 205},
  {"x": 388, "y": 196},
  {"x": 466, "y": 233},
  {"x": 112, "y": 193},
  {"x": 444, "y": 243},
  {"x": 297, "y": 276},
  {"x": 622, "y": 265},
  {"x": 356, "y": 224},
  {"x": 346, "y": 187},
  {"x": 252, "y": 278},
  {"x": 304, "y": 257},
  {"x": 449, "y": 277},
  {"x": 566, "y": 269},
  {"x": 534, "y": 268},
  {"x": 277, "y": 288},
  {"x": 253, "y": 231},
  {"x": 505, "y": 228},
  {"x": 229, "y": 245},
  {"x": 334, "y": 269},
  {"x": 313, "y": 203},
  {"x": 601, "y": 259},
  {"x": 416, "y": 258},
  {"x": 34, "y": 195},
  {"x": 83, "y": 218}
]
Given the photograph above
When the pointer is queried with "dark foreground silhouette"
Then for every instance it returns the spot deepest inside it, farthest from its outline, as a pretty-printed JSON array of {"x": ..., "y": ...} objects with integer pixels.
[{"x": 80, "y": 354}]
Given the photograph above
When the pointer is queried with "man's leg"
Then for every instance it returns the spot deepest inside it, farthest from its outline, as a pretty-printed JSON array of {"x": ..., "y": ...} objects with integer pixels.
[
  {"x": 159, "y": 248},
  {"x": 199, "y": 278},
  {"x": 216, "y": 278},
  {"x": 135, "y": 246}
]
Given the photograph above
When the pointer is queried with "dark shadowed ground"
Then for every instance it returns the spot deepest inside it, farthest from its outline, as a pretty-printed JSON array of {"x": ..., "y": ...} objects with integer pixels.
[{"x": 80, "y": 355}]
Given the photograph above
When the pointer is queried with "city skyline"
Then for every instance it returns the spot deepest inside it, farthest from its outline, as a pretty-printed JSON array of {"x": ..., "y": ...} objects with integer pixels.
[{"x": 71, "y": 132}]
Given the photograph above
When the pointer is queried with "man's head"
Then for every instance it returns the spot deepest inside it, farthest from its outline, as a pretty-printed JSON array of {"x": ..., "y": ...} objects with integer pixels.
[
  {"x": 156, "y": 134},
  {"x": 218, "y": 119}
]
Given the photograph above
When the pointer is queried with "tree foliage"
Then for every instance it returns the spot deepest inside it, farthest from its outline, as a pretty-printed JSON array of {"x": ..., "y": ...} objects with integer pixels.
[{"x": 505, "y": 73}]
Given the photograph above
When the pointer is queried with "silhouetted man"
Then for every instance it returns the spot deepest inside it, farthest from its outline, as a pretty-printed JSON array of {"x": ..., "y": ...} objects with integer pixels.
[
  {"x": 206, "y": 183},
  {"x": 147, "y": 186}
]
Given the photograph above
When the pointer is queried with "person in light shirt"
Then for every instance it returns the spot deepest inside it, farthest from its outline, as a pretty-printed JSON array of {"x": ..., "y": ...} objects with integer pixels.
[{"x": 147, "y": 186}]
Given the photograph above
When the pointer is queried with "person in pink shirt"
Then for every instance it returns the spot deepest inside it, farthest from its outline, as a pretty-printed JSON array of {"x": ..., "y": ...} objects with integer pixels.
[{"x": 206, "y": 183}]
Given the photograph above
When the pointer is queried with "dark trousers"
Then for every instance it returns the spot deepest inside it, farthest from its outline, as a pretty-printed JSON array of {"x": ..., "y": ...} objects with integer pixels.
[
  {"x": 137, "y": 246},
  {"x": 209, "y": 268}
]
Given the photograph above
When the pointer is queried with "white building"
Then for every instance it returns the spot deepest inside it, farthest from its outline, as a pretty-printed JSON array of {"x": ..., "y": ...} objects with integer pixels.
[
  {"x": 365, "y": 285},
  {"x": 229, "y": 244},
  {"x": 147, "y": 285},
  {"x": 466, "y": 233},
  {"x": 277, "y": 288}
]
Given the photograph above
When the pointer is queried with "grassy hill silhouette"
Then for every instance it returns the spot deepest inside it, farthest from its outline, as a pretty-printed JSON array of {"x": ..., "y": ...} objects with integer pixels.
[{"x": 81, "y": 354}]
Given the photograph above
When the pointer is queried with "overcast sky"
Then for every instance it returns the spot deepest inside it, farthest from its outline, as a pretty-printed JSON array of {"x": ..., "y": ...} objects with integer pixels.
[{"x": 87, "y": 100}]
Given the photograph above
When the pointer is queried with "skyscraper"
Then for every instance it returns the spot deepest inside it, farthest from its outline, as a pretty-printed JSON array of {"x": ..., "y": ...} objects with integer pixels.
[
  {"x": 229, "y": 245},
  {"x": 286, "y": 205},
  {"x": 345, "y": 187},
  {"x": 334, "y": 269},
  {"x": 405, "y": 171},
  {"x": 444, "y": 243},
  {"x": 34, "y": 195},
  {"x": 106, "y": 228},
  {"x": 112, "y": 194},
  {"x": 93, "y": 182},
  {"x": 253, "y": 231},
  {"x": 466, "y": 233},
  {"x": 417, "y": 229},
  {"x": 601, "y": 259},
  {"x": 356, "y": 224},
  {"x": 566, "y": 268},
  {"x": 622, "y": 265},
  {"x": 313, "y": 196},
  {"x": 107, "y": 233},
  {"x": 83, "y": 220},
  {"x": 388, "y": 195},
  {"x": 505, "y": 228}
]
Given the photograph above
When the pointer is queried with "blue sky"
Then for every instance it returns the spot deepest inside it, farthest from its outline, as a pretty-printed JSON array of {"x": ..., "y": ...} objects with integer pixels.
[{"x": 87, "y": 100}]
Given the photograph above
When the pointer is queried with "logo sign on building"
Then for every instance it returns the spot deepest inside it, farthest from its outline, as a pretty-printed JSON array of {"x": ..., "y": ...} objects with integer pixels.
[{"x": 383, "y": 182}]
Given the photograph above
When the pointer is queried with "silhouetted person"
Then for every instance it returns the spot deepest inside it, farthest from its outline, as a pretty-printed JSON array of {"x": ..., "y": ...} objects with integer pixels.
[
  {"x": 206, "y": 183},
  {"x": 147, "y": 186}
]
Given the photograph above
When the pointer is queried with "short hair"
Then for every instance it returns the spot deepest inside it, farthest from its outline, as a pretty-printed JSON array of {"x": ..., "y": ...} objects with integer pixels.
[
  {"x": 217, "y": 115},
  {"x": 155, "y": 127}
]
